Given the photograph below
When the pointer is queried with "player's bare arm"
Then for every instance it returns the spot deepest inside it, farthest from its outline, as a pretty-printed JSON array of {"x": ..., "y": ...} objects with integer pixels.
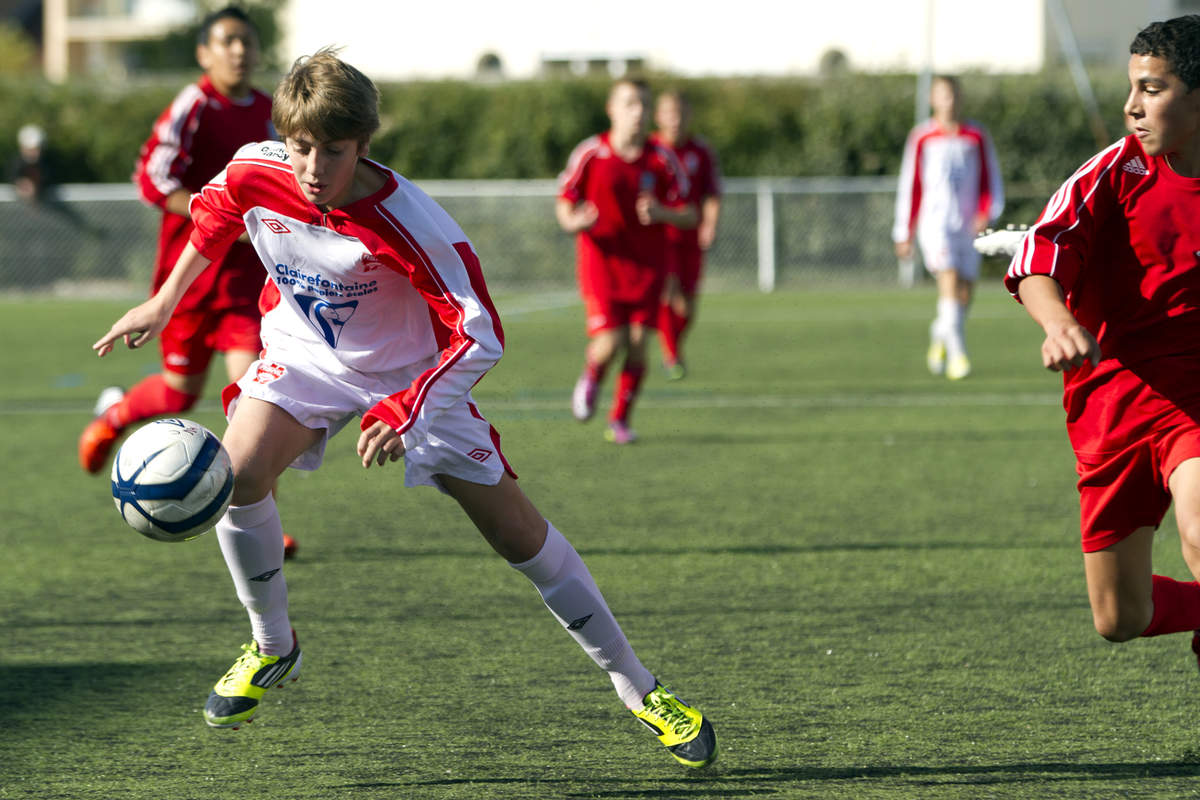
[
  {"x": 575, "y": 217},
  {"x": 143, "y": 322},
  {"x": 710, "y": 212},
  {"x": 650, "y": 211},
  {"x": 379, "y": 443},
  {"x": 1068, "y": 344}
]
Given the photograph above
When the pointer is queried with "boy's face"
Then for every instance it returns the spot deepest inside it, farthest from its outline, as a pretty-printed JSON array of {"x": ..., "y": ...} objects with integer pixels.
[
  {"x": 230, "y": 56},
  {"x": 628, "y": 109},
  {"x": 671, "y": 118},
  {"x": 324, "y": 170},
  {"x": 1160, "y": 110},
  {"x": 943, "y": 100}
]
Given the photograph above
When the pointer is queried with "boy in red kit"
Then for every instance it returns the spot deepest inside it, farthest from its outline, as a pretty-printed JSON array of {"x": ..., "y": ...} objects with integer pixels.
[
  {"x": 192, "y": 140},
  {"x": 618, "y": 193},
  {"x": 1110, "y": 272},
  {"x": 673, "y": 115}
]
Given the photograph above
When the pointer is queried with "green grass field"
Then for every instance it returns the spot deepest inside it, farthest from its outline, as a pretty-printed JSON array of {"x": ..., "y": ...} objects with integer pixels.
[{"x": 868, "y": 578}]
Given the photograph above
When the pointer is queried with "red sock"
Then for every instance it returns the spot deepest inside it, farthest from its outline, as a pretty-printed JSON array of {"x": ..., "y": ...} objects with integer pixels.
[
  {"x": 594, "y": 371},
  {"x": 151, "y": 397},
  {"x": 628, "y": 383},
  {"x": 668, "y": 332},
  {"x": 1176, "y": 606}
]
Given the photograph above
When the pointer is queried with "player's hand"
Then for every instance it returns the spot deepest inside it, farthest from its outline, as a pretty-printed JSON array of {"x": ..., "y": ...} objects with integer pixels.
[
  {"x": 139, "y": 325},
  {"x": 706, "y": 235},
  {"x": 980, "y": 223},
  {"x": 904, "y": 249},
  {"x": 585, "y": 216},
  {"x": 647, "y": 208},
  {"x": 1067, "y": 346},
  {"x": 380, "y": 443}
]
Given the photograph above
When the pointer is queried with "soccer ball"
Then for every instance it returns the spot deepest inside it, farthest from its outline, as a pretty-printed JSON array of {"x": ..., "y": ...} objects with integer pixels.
[{"x": 172, "y": 480}]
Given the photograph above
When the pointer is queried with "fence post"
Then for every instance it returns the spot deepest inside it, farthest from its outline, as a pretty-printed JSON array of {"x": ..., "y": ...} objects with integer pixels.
[{"x": 766, "y": 236}]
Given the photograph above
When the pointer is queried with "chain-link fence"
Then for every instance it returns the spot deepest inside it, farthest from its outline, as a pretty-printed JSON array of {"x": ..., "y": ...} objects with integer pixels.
[{"x": 774, "y": 232}]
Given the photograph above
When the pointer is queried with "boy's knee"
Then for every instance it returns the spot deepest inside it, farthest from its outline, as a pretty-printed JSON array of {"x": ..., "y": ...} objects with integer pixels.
[{"x": 1122, "y": 626}]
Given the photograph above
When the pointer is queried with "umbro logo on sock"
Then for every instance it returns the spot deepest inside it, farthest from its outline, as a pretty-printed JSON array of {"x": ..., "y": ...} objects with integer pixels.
[
  {"x": 266, "y": 576},
  {"x": 1135, "y": 166},
  {"x": 579, "y": 623}
]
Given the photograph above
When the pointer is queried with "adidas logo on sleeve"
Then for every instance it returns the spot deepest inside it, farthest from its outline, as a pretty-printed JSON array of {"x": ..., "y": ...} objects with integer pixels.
[{"x": 1135, "y": 166}]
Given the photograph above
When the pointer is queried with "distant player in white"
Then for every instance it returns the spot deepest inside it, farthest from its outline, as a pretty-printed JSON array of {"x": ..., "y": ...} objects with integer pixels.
[
  {"x": 377, "y": 308},
  {"x": 950, "y": 189}
]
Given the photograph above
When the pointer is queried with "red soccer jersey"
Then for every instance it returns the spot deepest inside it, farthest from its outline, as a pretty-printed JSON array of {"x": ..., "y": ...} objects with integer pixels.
[
  {"x": 623, "y": 258},
  {"x": 704, "y": 178},
  {"x": 193, "y": 139},
  {"x": 1120, "y": 236}
]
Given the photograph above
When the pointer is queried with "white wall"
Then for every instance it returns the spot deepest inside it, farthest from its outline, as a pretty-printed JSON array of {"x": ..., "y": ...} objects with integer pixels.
[{"x": 395, "y": 39}]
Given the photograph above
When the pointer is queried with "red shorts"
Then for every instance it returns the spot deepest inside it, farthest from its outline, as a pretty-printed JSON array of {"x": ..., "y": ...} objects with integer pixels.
[
  {"x": 191, "y": 337},
  {"x": 687, "y": 263},
  {"x": 1127, "y": 490},
  {"x": 605, "y": 314}
]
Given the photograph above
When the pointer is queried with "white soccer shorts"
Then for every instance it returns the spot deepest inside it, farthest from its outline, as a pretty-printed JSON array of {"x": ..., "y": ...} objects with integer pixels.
[
  {"x": 461, "y": 443},
  {"x": 942, "y": 251}
]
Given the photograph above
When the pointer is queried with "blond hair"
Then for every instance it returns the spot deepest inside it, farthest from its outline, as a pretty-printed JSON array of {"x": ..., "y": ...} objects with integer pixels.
[{"x": 327, "y": 99}]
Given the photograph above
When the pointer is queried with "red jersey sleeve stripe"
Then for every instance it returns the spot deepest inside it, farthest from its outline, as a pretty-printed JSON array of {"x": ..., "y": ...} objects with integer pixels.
[
  {"x": 165, "y": 154},
  {"x": 569, "y": 178},
  {"x": 1039, "y": 252}
]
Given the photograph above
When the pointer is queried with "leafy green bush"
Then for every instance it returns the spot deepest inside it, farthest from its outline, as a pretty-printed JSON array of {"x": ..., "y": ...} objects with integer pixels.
[{"x": 846, "y": 125}]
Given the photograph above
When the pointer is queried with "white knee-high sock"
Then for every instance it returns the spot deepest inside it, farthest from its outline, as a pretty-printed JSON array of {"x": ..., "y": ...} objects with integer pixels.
[
  {"x": 571, "y": 594},
  {"x": 949, "y": 325},
  {"x": 251, "y": 540}
]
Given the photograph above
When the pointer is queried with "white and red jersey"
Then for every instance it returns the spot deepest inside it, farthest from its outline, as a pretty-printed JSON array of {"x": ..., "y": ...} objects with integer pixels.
[
  {"x": 192, "y": 140},
  {"x": 373, "y": 287},
  {"x": 947, "y": 179},
  {"x": 703, "y": 171},
  {"x": 1120, "y": 237}
]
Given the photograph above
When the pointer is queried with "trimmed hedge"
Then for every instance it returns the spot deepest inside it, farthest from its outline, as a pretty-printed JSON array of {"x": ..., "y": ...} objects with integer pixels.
[{"x": 843, "y": 126}]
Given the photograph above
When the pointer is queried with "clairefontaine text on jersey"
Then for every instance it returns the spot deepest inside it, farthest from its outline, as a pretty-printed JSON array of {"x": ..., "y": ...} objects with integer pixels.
[{"x": 290, "y": 276}]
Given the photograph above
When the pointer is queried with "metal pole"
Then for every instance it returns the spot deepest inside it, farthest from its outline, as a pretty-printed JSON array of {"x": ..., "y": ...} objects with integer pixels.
[{"x": 766, "y": 236}]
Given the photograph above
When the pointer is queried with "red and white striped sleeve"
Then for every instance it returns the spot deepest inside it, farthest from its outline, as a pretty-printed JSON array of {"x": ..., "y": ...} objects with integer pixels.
[
  {"x": 572, "y": 180},
  {"x": 1059, "y": 243},
  {"x": 442, "y": 266},
  {"x": 908, "y": 190},
  {"x": 165, "y": 156}
]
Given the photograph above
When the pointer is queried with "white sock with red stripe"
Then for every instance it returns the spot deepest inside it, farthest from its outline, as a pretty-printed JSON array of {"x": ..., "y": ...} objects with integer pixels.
[
  {"x": 573, "y": 598},
  {"x": 251, "y": 539}
]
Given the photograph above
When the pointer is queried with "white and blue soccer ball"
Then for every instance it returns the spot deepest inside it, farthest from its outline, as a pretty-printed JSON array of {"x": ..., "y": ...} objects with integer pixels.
[{"x": 172, "y": 480}]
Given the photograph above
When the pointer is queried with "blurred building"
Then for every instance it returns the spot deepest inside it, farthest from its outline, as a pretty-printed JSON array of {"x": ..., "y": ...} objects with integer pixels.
[{"x": 393, "y": 40}]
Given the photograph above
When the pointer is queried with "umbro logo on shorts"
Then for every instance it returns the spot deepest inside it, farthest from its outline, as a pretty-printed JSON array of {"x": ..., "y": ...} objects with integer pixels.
[
  {"x": 266, "y": 576},
  {"x": 268, "y": 372},
  {"x": 1135, "y": 166},
  {"x": 479, "y": 454},
  {"x": 275, "y": 226}
]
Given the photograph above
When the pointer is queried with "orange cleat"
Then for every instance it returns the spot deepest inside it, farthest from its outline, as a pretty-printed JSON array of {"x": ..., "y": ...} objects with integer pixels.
[
  {"x": 95, "y": 443},
  {"x": 289, "y": 546}
]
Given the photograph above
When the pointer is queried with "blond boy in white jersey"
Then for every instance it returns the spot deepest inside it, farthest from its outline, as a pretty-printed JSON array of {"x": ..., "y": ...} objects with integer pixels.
[{"x": 360, "y": 258}]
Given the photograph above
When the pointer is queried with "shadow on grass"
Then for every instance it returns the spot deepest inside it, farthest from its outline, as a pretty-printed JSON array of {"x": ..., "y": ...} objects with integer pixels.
[
  {"x": 29, "y": 693},
  {"x": 759, "y": 782},
  {"x": 351, "y": 554}
]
